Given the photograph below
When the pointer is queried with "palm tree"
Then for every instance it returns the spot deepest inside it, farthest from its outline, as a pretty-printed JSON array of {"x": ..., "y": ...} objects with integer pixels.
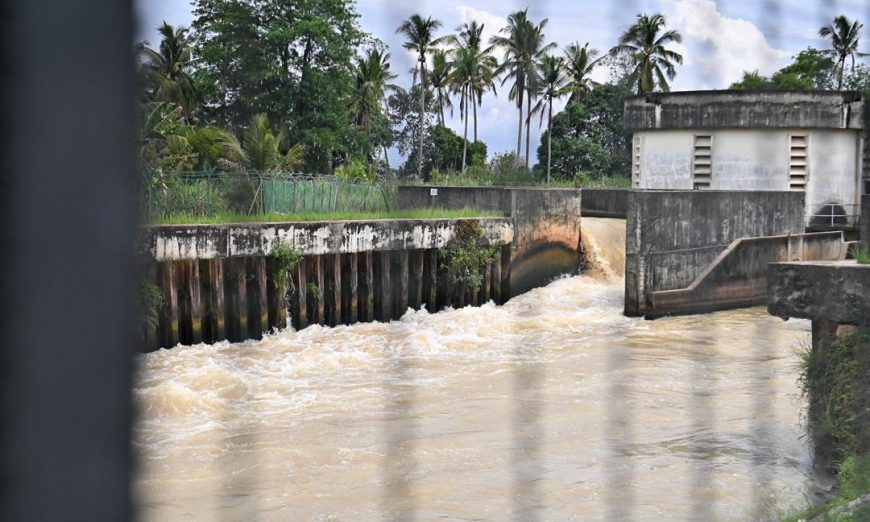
[
  {"x": 373, "y": 77},
  {"x": 552, "y": 80},
  {"x": 513, "y": 44},
  {"x": 579, "y": 63},
  {"x": 166, "y": 70},
  {"x": 522, "y": 43},
  {"x": 472, "y": 74},
  {"x": 421, "y": 39},
  {"x": 439, "y": 78},
  {"x": 644, "y": 43},
  {"x": 257, "y": 149},
  {"x": 844, "y": 37},
  {"x": 537, "y": 50}
]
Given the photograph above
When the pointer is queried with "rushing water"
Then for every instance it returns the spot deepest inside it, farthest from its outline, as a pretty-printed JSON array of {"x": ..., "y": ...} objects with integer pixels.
[{"x": 551, "y": 407}]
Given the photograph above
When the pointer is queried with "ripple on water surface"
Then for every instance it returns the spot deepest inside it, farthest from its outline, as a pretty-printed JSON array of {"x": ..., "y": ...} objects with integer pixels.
[{"x": 553, "y": 405}]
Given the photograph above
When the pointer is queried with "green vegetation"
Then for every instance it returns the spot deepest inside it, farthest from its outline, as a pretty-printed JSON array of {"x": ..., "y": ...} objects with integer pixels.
[
  {"x": 466, "y": 256},
  {"x": 861, "y": 254},
  {"x": 149, "y": 301},
  {"x": 276, "y": 217},
  {"x": 286, "y": 258},
  {"x": 813, "y": 69},
  {"x": 262, "y": 88},
  {"x": 834, "y": 381},
  {"x": 652, "y": 62}
]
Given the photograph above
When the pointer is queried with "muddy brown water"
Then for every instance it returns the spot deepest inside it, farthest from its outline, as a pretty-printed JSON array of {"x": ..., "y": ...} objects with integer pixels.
[{"x": 552, "y": 407}]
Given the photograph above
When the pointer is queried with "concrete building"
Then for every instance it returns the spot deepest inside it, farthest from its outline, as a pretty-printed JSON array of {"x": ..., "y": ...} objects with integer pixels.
[{"x": 808, "y": 142}]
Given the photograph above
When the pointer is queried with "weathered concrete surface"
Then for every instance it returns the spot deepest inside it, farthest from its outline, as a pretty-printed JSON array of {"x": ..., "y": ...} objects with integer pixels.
[
  {"x": 546, "y": 241},
  {"x": 604, "y": 203},
  {"x": 824, "y": 291},
  {"x": 673, "y": 236},
  {"x": 181, "y": 242},
  {"x": 738, "y": 276},
  {"x": 745, "y": 109}
]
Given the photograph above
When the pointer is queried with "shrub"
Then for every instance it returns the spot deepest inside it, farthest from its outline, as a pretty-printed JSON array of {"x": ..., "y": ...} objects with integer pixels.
[
  {"x": 286, "y": 258},
  {"x": 861, "y": 254},
  {"x": 466, "y": 255}
]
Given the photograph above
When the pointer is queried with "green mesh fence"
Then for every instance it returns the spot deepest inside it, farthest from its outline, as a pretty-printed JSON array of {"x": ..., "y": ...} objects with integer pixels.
[{"x": 202, "y": 194}]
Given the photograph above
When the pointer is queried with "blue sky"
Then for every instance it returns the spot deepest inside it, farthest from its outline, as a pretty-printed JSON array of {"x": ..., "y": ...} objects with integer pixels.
[{"x": 721, "y": 38}]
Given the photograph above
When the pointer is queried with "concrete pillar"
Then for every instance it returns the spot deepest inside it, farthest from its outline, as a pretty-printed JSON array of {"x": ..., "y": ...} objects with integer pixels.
[
  {"x": 333, "y": 288},
  {"x": 416, "y": 282},
  {"x": 495, "y": 283},
  {"x": 275, "y": 297},
  {"x": 300, "y": 298},
  {"x": 169, "y": 312},
  {"x": 185, "y": 334},
  {"x": 258, "y": 317},
  {"x": 486, "y": 289},
  {"x": 212, "y": 292},
  {"x": 351, "y": 312},
  {"x": 236, "y": 298},
  {"x": 431, "y": 277},
  {"x": 318, "y": 316},
  {"x": 402, "y": 284},
  {"x": 506, "y": 272},
  {"x": 368, "y": 261},
  {"x": 385, "y": 290},
  {"x": 189, "y": 303},
  {"x": 824, "y": 333}
]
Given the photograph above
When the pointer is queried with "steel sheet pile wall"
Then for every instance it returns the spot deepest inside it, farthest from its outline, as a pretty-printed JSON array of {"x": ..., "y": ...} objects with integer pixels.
[{"x": 218, "y": 282}]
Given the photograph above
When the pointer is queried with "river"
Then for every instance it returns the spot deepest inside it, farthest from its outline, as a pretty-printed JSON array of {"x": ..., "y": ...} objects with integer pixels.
[{"x": 552, "y": 407}]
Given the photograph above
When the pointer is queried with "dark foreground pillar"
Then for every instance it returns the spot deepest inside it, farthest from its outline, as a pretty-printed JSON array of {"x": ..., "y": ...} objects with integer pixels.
[{"x": 69, "y": 213}]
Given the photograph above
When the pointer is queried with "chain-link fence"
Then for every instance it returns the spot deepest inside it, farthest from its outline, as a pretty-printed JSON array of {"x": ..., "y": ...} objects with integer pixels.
[{"x": 199, "y": 194}]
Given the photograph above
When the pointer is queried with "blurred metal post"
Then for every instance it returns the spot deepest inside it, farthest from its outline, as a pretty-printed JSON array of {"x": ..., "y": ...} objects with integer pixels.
[{"x": 68, "y": 204}]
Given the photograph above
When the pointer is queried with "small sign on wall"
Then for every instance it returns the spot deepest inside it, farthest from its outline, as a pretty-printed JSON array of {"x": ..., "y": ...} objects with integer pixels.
[{"x": 433, "y": 192}]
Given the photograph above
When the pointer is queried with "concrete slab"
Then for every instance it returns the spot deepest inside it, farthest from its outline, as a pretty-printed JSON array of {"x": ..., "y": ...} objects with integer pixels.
[{"x": 835, "y": 291}]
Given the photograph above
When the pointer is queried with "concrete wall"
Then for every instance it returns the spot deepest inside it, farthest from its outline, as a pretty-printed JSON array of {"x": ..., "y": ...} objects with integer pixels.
[
  {"x": 745, "y": 109},
  {"x": 546, "y": 225},
  {"x": 180, "y": 242},
  {"x": 738, "y": 276},
  {"x": 755, "y": 159},
  {"x": 220, "y": 281},
  {"x": 673, "y": 236},
  {"x": 837, "y": 292},
  {"x": 604, "y": 203}
]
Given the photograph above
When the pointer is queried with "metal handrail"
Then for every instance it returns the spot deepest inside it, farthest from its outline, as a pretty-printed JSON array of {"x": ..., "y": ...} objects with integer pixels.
[{"x": 851, "y": 213}]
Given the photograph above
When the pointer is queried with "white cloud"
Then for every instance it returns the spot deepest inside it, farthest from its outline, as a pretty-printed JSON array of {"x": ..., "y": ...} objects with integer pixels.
[{"x": 717, "y": 49}]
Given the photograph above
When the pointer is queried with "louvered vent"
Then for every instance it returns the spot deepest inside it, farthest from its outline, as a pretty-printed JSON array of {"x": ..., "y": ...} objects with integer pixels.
[
  {"x": 635, "y": 165},
  {"x": 798, "y": 163},
  {"x": 702, "y": 163}
]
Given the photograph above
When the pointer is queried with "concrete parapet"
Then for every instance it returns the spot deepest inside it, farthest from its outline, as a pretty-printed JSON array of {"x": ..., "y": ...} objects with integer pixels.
[
  {"x": 604, "y": 203},
  {"x": 673, "y": 236},
  {"x": 738, "y": 276},
  {"x": 745, "y": 109},
  {"x": 546, "y": 241},
  {"x": 824, "y": 291},
  {"x": 179, "y": 242}
]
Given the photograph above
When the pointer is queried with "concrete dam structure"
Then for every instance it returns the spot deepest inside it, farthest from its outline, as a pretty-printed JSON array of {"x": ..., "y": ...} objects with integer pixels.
[
  {"x": 806, "y": 142},
  {"x": 219, "y": 281},
  {"x": 546, "y": 221},
  {"x": 692, "y": 251}
]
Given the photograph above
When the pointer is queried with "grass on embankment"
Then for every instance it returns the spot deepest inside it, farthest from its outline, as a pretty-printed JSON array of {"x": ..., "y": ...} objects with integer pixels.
[
  {"x": 834, "y": 381},
  {"x": 277, "y": 217}
]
